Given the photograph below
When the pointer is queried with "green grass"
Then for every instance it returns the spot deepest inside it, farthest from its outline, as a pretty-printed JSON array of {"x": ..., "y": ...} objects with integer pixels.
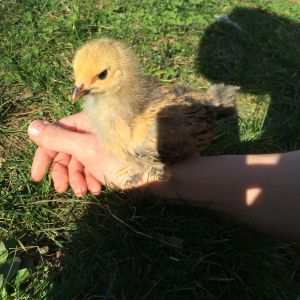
[{"x": 112, "y": 247}]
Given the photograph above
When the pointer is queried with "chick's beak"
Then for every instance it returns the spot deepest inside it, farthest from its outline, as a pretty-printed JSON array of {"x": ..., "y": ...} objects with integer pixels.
[{"x": 77, "y": 93}]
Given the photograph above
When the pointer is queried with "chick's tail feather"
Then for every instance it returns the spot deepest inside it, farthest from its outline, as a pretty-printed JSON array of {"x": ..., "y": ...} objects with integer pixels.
[{"x": 224, "y": 99}]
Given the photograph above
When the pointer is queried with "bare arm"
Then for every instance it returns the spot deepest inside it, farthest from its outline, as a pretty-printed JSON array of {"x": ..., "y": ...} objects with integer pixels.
[{"x": 262, "y": 191}]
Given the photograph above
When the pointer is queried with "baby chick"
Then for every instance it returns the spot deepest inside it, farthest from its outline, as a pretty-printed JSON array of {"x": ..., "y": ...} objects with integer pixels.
[{"x": 138, "y": 120}]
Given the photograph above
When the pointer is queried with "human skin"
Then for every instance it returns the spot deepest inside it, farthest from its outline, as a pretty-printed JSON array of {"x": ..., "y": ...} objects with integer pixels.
[{"x": 259, "y": 190}]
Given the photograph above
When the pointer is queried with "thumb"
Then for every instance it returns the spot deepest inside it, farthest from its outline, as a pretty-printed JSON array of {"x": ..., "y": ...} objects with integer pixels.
[{"x": 55, "y": 138}]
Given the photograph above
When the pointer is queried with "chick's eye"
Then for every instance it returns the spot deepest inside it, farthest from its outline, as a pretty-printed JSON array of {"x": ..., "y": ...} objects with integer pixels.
[{"x": 103, "y": 75}]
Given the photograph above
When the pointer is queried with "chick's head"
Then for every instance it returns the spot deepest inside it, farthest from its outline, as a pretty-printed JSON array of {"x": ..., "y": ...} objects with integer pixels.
[{"x": 101, "y": 67}]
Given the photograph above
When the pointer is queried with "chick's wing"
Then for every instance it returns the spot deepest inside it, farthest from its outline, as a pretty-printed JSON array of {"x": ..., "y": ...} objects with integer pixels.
[{"x": 177, "y": 125}]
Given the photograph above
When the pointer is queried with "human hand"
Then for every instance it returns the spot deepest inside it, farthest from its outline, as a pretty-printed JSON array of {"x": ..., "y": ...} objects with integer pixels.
[{"x": 75, "y": 156}]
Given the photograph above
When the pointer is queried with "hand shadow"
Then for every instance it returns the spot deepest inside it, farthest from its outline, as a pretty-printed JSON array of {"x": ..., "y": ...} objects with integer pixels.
[{"x": 260, "y": 52}]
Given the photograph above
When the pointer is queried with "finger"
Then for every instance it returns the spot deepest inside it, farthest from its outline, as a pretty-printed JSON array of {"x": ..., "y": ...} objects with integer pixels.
[
  {"x": 76, "y": 177},
  {"x": 78, "y": 122},
  {"x": 93, "y": 185},
  {"x": 59, "y": 172},
  {"x": 56, "y": 138},
  {"x": 41, "y": 161}
]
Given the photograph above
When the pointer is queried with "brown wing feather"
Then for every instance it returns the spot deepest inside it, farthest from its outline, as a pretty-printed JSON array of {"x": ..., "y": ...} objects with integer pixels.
[{"x": 174, "y": 127}]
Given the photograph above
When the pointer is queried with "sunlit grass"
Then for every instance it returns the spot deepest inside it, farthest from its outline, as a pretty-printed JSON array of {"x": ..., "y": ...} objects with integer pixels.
[{"x": 115, "y": 247}]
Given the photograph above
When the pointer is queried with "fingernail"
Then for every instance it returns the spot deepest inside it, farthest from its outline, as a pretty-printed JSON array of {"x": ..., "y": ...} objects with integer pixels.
[
  {"x": 78, "y": 192},
  {"x": 36, "y": 127},
  {"x": 95, "y": 192}
]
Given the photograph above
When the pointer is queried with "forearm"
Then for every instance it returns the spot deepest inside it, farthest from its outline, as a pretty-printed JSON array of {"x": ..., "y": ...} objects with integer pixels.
[{"x": 260, "y": 190}]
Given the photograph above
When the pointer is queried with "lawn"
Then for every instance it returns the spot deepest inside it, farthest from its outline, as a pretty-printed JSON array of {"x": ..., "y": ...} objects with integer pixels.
[{"x": 119, "y": 247}]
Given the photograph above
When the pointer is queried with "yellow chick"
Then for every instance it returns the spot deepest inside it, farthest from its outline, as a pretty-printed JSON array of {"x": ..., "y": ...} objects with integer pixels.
[{"x": 138, "y": 120}]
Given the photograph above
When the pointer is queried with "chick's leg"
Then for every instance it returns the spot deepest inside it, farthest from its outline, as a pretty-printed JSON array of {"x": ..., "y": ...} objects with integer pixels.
[
  {"x": 133, "y": 175},
  {"x": 158, "y": 172},
  {"x": 144, "y": 177},
  {"x": 139, "y": 175}
]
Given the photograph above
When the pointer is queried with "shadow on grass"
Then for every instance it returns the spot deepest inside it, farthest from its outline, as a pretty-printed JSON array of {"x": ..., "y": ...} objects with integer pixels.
[
  {"x": 262, "y": 56},
  {"x": 139, "y": 249}
]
